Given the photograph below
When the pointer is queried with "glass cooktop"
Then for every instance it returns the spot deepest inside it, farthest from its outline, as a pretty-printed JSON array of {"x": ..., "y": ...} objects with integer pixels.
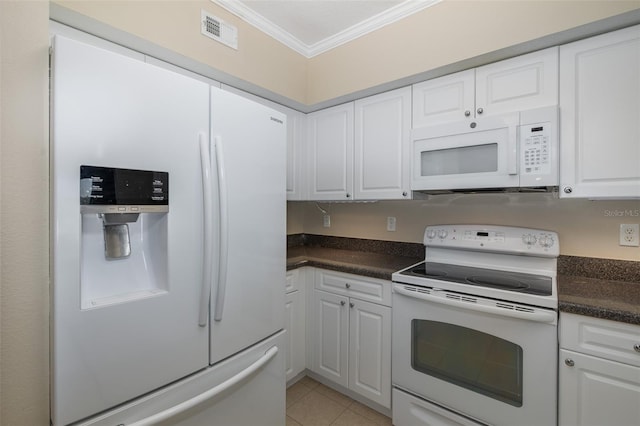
[{"x": 481, "y": 277}]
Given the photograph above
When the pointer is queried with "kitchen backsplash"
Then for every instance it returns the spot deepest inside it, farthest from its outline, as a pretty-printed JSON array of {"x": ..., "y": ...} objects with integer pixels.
[
  {"x": 585, "y": 228},
  {"x": 605, "y": 269}
]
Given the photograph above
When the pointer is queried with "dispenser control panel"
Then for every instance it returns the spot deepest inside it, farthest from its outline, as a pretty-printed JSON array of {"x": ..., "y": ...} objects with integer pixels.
[{"x": 112, "y": 190}]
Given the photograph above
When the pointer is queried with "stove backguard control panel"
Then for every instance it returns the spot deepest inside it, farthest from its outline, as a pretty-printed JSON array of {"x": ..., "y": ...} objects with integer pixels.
[{"x": 499, "y": 239}]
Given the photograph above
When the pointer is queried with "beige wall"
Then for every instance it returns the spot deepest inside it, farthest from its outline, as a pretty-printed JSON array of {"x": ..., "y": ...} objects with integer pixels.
[
  {"x": 585, "y": 228},
  {"x": 24, "y": 286},
  {"x": 175, "y": 25},
  {"x": 449, "y": 32}
]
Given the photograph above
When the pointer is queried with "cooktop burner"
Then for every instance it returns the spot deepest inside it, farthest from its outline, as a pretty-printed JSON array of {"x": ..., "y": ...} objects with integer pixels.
[{"x": 491, "y": 278}]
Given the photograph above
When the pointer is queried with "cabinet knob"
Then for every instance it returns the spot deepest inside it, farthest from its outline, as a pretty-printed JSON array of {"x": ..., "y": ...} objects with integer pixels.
[
  {"x": 342, "y": 303},
  {"x": 567, "y": 190},
  {"x": 636, "y": 347},
  {"x": 569, "y": 362},
  {"x": 404, "y": 193},
  {"x": 467, "y": 113},
  {"x": 348, "y": 195},
  {"x": 347, "y": 285},
  {"x": 351, "y": 305},
  {"x": 480, "y": 110}
]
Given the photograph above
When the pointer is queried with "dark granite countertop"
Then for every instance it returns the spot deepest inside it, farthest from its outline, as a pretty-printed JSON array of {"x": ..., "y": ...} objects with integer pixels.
[
  {"x": 375, "y": 265},
  {"x": 600, "y": 298},
  {"x": 602, "y": 288}
]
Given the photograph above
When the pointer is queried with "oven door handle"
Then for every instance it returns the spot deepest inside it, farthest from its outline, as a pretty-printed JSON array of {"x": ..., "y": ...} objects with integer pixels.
[{"x": 536, "y": 315}]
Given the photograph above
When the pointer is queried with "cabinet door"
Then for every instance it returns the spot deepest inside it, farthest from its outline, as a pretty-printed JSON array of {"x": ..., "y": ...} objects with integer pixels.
[
  {"x": 600, "y": 116},
  {"x": 295, "y": 328},
  {"x": 525, "y": 82},
  {"x": 444, "y": 99},
  {"x": 330, "y": 145},
  {"x": 594, "y": 391},
  {"x": 292, "y": 281},
  {"x": 331, "y": 337},
  {"x": 295, "y": 155},
  {"x": 381, "y": 163},
  {"x": 370, "y": 351}
]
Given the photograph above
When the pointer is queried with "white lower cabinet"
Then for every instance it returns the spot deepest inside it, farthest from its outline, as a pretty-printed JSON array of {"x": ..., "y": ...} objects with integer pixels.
[
  {"x": 352, "y": 339},
  {"x": 599, "y": 372},
  {"x": 295, "y": 354}
]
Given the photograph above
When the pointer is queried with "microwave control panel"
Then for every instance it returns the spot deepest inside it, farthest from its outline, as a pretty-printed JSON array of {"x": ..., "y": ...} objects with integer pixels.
[{"x": 535, "y": 149}]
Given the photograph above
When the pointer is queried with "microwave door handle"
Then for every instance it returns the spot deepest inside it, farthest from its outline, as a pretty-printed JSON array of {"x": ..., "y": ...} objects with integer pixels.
[
  {"x": 536, "y": 316},
  {"x": 512, "y": 149}
]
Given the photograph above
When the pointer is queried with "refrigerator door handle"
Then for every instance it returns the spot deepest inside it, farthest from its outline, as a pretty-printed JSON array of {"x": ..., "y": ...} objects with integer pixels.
[
  {"x": 205, "y": 294},
  {"x": 211, "y": 393},
  {"x": 224, "y": 231}
]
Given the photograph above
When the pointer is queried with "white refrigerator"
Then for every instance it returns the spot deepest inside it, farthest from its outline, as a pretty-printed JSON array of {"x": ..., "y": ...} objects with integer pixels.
[{"x": 168, "y": 247}]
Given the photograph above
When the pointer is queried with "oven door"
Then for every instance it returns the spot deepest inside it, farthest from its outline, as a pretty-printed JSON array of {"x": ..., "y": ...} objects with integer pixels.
[
  {"x": 457, "y": 156},
  {"x": 492, "y": 361}
]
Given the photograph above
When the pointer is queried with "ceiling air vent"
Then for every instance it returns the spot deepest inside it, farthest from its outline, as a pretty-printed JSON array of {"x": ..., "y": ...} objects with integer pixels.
[{"x": 215, "y": 28}]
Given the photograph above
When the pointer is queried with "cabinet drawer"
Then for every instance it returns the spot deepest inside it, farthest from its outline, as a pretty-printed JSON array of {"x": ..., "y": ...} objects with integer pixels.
[
  {"x": 370, "y": 289},
  {"x": 603, "y": 338}
]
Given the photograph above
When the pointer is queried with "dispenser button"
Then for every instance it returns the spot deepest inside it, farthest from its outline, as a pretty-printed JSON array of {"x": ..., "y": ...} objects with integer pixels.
[
  {"x": 122, "y": 209},
  {"x": 135, "y": 209}
]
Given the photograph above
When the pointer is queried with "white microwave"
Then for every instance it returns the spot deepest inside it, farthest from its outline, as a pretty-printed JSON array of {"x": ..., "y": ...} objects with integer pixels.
[{"x": 515, "y": 150}]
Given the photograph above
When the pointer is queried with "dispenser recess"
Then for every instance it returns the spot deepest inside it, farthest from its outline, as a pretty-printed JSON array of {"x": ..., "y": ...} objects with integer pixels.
[{"x": 124, "y": 234}]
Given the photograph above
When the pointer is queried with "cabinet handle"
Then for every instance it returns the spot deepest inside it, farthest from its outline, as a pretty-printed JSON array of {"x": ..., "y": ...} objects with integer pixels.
[
  {"x": 467, "y": 113},
  {"x": 636, "y": 347},
  {"x": 347, "y": 285},
  {"x": 567, "y": 190},
  {"x": 480, "y": 110},
  {"x": 342, "y": 303},
  {"x": 351, "y": 305},
  {"x": 569, "y": 362}
]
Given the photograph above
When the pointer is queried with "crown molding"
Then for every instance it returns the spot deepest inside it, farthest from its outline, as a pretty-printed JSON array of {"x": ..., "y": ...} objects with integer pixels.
[{"x": 378, "y": 21}]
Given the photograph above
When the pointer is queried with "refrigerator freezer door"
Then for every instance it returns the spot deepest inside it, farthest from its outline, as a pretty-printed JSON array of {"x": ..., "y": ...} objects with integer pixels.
[
  {"x": 124, "y": 327},
  {"x": 247, "y": 389},
  {"x": 250, "y": 154}
]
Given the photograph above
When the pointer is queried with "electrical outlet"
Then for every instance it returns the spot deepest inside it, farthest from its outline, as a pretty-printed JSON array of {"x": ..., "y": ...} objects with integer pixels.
[
  {"x": 391, "y": 223},
  {"x": 326, "y": 221},
  {"x": 629, "y": 235}
]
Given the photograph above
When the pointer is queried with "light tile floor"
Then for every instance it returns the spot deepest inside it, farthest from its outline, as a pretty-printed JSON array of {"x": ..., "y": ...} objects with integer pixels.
[{"x": 310, "y": 403}]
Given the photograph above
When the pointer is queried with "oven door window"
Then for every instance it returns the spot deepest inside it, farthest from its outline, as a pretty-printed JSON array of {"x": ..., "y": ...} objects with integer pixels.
[{"x": 474, "y": 360}]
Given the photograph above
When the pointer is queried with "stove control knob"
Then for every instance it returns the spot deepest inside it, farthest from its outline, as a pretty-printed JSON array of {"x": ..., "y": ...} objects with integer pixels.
[
  {"x": 529, "y": 239},
  {"x": 431, "y": 234},
  {"x": 442, "y": 234},
  {"x": 546, "y": 241}
]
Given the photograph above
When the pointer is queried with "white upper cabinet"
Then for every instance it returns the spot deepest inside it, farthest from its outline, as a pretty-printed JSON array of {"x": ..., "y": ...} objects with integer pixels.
[
  {"x": 382, "y": 157},
  {"x": 444, "y": 99},
  {"x": 521, "y": 83},
  {"x": 330, "y": 153},
  {"x": 600, "y": 116},
  {"x": 296, "y": 188}
]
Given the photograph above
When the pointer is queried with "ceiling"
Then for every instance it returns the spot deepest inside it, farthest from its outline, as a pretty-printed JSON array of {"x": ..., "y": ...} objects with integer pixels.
[{"x": 311, "y": 27}]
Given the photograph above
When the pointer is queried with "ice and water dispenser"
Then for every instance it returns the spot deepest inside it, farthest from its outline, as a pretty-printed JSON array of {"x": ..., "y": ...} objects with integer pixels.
[{"x": 124, "y": 234}]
